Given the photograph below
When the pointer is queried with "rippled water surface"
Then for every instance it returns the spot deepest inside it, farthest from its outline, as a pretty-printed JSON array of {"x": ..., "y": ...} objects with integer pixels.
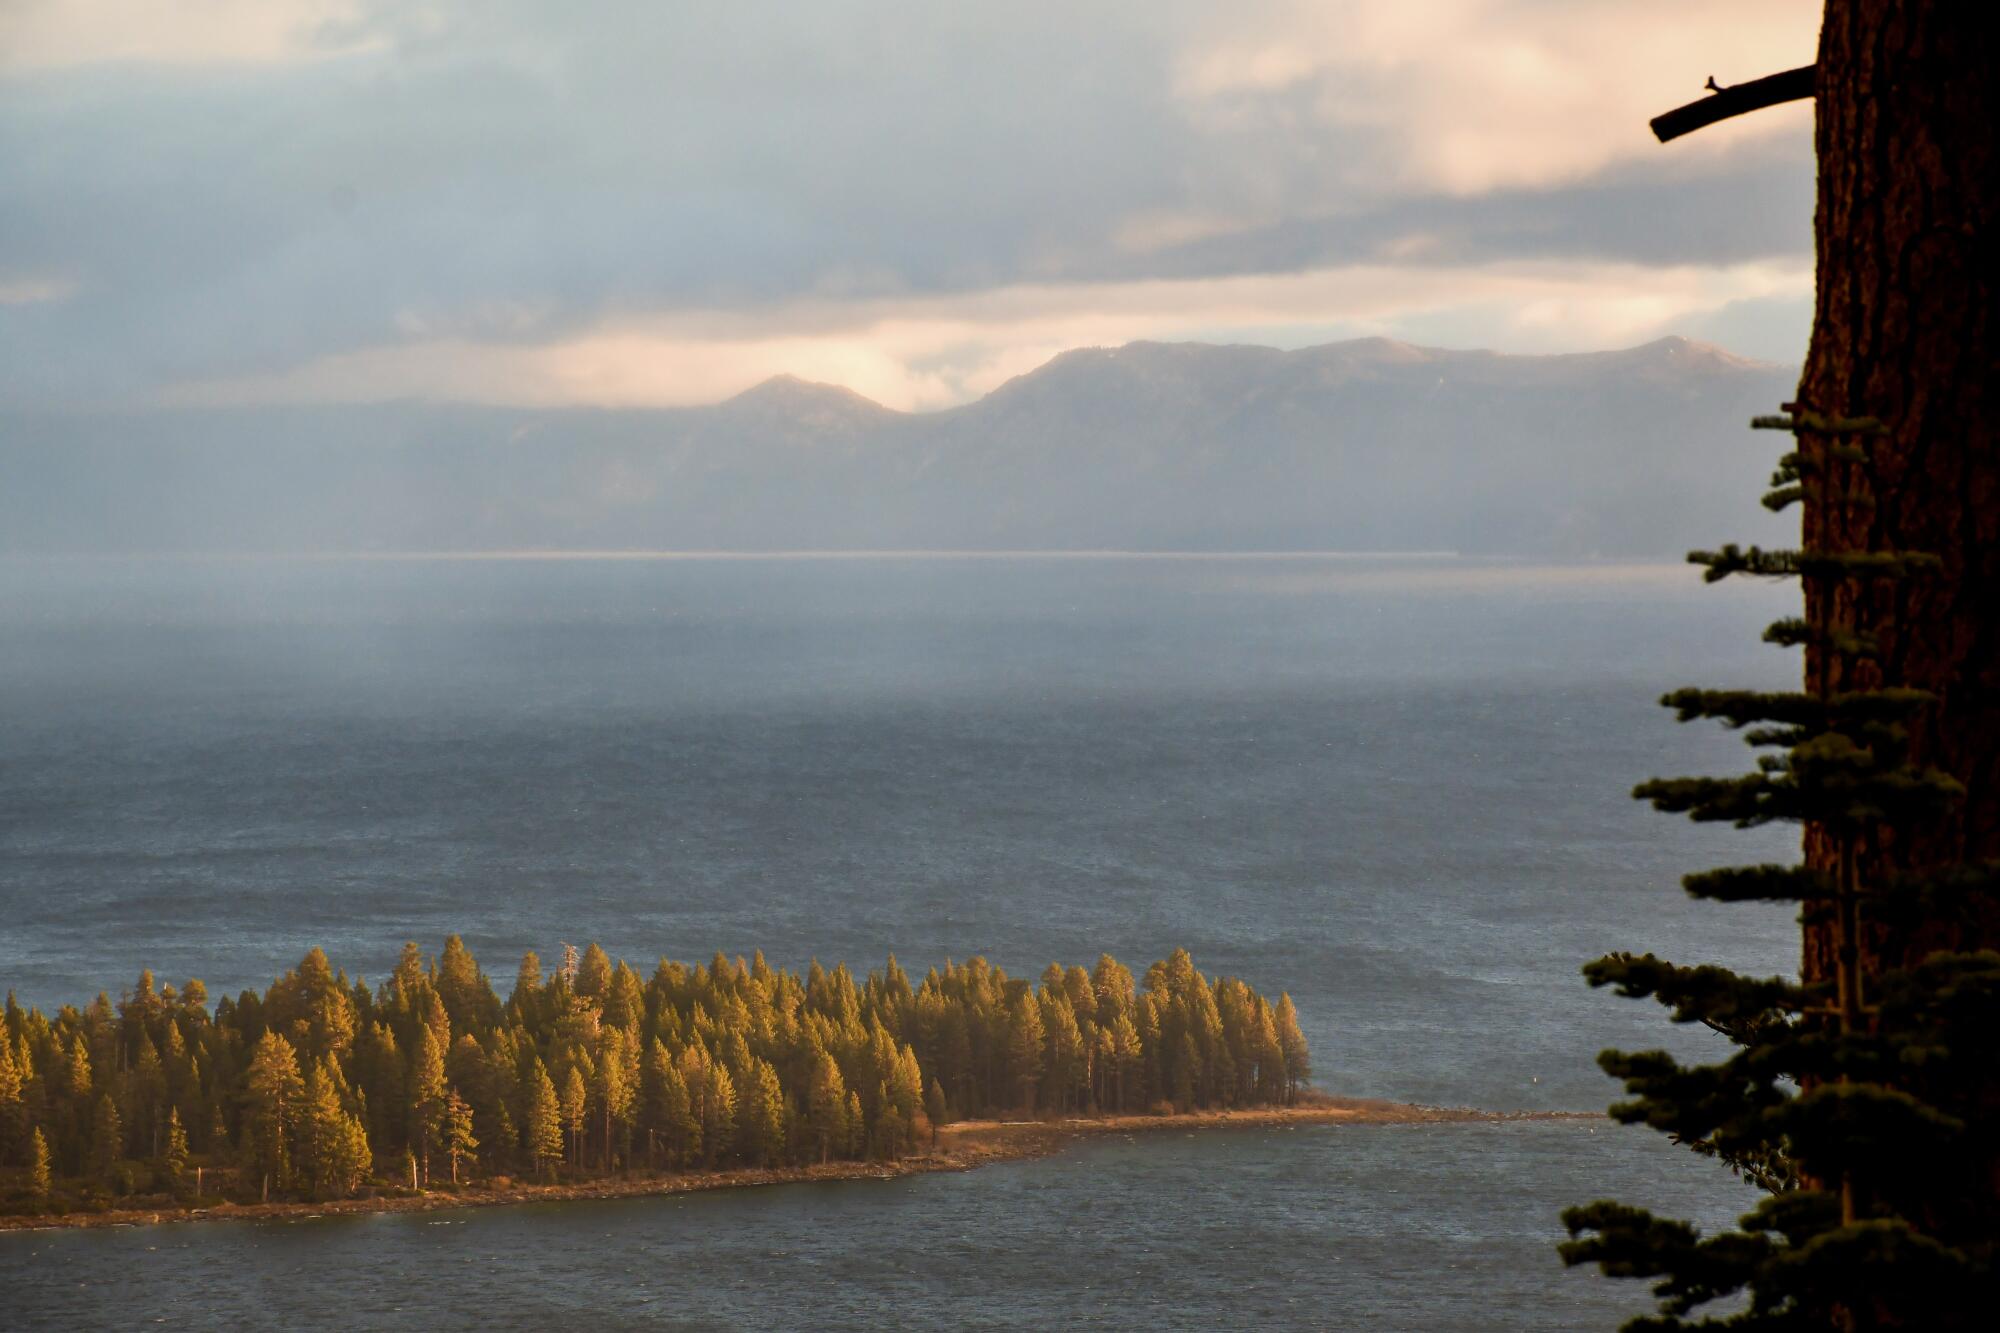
[
  {"x": 1378, "y": 1227},
  {"x": 1395, "y": 788}
]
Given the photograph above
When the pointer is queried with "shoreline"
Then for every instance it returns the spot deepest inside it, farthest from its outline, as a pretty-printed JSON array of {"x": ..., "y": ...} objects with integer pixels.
[{"x": 963, "y": 1146}]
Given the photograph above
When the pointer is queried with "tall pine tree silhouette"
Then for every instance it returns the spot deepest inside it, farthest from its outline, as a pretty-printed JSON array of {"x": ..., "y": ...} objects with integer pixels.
[{"x": 1864, "y": 1096}]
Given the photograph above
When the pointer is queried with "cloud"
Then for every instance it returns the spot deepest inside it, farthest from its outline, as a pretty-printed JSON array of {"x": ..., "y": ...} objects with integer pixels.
[
  {"x": 1469, "y": 95},
  {"x": 259, "y": 191},
  {"x": 46, "y": 34},
  {"x": 937, "y": 351},
  {"x": 34, "y": 290}
]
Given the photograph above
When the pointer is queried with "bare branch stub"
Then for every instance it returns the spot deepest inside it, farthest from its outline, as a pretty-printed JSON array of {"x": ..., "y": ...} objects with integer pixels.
[{"x": 1736, "y": 100}]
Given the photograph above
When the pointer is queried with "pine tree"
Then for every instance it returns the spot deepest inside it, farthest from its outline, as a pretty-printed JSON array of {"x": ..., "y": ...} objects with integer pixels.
[
  {"x": 13, "y": 1102},
  {"x": 890, "y": 1130},
  {"x": 1292, "y": 1045},
  {"x": 311, "y": 1007},
  {"x": 183, "y": 1084},
  {"x": 855, "y": 1123},
  {"x": 146, "y": 1094},
  {"x": 1025, "y": 1043},
  {"x": 524, "y": 1004},
  {"x": 463, "y": 989},
  {"x": 1863, "y": 1094},
  {"x": 1185, "y": 1074},
  {"x": 616, "y": 1075},
  {"x": 77, "y": 1075},
  {"x": 669, "y": 1121},
  {"x": 575, "y": 1104},
  {"x": 427, "y": 1097},
  {"x": 333, "y": 1153},
  {"x": 683, "y": 1120},
  {"x": 409, "y": 982},
  {"x": 718, "y": 1112},
  {"x": 826, "y": 1107},
  {"x": 348, "y": 1155},
  {"x": 276, "y": 1094},
  {"x": 107, "y": 1139},
  {"x": 905, "y": 1088},
  {"x": 760, "y": 1130},
  {"x": 936, "y": 1111},
  {"x": 459, "y": 1141},
  {"x": 1856, "y": 1098},
  {"x": 1127, "y": 1065},
  {"x": 1273, "y": 1087},
  {"x": 624, "y": 999},
  {"x": 593, "y": 974},
  {"x": 477, "y": 1078},
  {"x": 378, "y": 1069},
  {"x": 503, "y": 1141},
  {"x": 319, "y": 1109},
  {"x": 1063, "y": 1049},
  {"x": 542, "y": 1132},
  {"x": 41, "y": 1178},
  {"x": 174, "y": 1153}
]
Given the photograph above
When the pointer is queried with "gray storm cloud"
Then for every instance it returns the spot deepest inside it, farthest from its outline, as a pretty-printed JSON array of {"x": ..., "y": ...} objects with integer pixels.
[{"x": 344, "y": 181}]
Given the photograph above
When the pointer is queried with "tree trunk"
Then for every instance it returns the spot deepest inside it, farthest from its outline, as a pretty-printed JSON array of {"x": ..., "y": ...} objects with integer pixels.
[{"x": 1904, "y": 330}]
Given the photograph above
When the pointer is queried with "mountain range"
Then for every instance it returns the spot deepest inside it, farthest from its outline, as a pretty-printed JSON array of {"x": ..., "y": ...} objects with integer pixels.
[{"x": 1361, "y": 445}]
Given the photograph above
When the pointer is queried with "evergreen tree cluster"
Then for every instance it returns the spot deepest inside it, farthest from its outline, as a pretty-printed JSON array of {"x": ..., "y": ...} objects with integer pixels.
[
  {"x": 322, "y": 1085},
  {"x": 1860, "y": 1099}
]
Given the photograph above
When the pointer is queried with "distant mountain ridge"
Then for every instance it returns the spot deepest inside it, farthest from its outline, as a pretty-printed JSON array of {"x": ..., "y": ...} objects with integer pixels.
[{"x": 1370, "y": 444}]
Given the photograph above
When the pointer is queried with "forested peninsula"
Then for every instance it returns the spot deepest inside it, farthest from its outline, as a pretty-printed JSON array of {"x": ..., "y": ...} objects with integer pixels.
[{"x": 322, "y": 1089}]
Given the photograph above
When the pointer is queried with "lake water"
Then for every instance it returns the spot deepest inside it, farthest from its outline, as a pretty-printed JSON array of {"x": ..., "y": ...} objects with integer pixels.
[{"x": 1396, "y": 788}]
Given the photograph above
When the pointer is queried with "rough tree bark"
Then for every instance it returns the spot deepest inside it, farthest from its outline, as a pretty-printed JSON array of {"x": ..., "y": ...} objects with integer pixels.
[{"x": 1905, "y": 330}]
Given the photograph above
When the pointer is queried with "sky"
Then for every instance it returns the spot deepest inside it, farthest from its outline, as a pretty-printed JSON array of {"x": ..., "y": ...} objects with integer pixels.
[{"x": 662, "y": 202}]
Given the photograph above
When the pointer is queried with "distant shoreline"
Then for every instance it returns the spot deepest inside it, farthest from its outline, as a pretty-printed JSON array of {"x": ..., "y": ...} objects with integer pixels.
[
  {"x": 726, "y": 554},
  {"x": 965, "y": 1146}
]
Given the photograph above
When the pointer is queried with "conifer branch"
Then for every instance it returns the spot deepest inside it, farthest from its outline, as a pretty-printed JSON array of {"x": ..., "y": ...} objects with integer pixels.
[
  {"x": 1794, "y": 632},
  {"x": 1736, "y": 708},
  {"x": 1814, "y": 423},
  {"x": 1765, "y": 883},
  {"x": 1858, "y": 565},
  {"x": 1703, "y": 994}
]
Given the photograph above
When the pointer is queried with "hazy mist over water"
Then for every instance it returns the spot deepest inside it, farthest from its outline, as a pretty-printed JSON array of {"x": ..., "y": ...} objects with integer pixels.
[{"x": 1395, "y": 787}]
